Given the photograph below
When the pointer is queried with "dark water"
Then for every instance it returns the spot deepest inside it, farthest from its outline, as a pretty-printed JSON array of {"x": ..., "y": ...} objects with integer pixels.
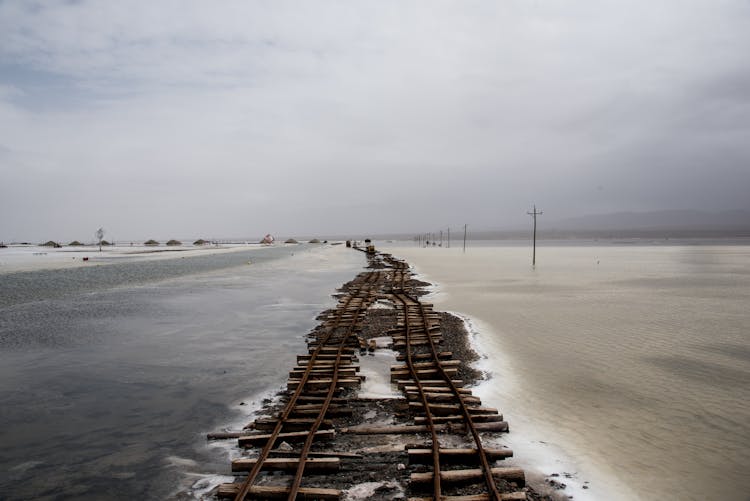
[{"x": 110, "y": 376}]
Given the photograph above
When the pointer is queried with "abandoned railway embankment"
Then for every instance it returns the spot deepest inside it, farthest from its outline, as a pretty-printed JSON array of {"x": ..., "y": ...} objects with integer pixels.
[{"x": 326, "y": 439}]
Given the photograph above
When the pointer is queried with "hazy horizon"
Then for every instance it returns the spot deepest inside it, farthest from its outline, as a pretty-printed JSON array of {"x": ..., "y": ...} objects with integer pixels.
[
  {"x": 648, "y": 225},
  {"x": 179, "y": 119},
  {"x": 674, "y": 223}
]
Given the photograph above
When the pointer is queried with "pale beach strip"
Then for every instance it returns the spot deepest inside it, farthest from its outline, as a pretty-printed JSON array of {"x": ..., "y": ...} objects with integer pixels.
[{"x": 16, "y": 258}]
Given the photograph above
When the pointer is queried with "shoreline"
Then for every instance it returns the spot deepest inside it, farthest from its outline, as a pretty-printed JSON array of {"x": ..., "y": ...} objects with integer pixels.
[
  {"x": 38, "y": 258},
  {"x": 375, "y": 463},
  {"x": 551, "y": 467},
  {"x": 549, "y": 474}
]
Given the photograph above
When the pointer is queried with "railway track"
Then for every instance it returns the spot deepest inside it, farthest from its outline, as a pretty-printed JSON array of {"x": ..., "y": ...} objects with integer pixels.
[
  {"x": 323, "y": 384},
  {"x": 436, "y": 397}
]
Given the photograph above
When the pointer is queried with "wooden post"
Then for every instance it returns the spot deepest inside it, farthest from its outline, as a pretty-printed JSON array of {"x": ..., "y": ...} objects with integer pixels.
[
  {"x": 465, "y": 226},
  {"x": 534, "y": 214}
]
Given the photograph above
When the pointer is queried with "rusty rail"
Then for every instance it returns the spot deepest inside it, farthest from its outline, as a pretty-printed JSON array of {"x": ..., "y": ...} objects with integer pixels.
[
  {"x": 406, "y": 300},
  {"x": 330, "y": 366},
  {"x": 263, "y": 456}
]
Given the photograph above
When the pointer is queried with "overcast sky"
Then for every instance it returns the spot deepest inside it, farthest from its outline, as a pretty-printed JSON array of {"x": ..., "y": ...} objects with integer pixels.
[{"x": 174, "y": 118}]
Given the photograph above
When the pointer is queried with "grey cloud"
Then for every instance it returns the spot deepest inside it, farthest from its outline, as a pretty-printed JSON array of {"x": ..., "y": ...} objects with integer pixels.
[{"x": 324, "y": 117}]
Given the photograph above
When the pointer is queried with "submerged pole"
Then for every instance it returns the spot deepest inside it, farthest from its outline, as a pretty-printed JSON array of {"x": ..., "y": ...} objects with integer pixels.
[{"x": 534, "y": 214}]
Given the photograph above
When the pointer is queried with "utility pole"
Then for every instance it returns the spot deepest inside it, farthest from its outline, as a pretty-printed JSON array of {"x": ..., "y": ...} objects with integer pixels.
[
  {"x": 534, "y": 214},
  {"x": 465, "y": 226},
  {"x": 449, "y": 237}
]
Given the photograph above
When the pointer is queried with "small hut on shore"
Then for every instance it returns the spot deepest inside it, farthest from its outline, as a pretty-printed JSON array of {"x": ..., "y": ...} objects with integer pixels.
[
  {"x": 268, "y": 239},
  {"x": 174, "y": 242},
  {"x": 51, "y": 243},
  {"x": 151, "y": 242}
]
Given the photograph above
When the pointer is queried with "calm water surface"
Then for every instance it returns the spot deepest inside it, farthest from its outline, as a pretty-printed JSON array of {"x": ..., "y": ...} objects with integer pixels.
[
  {"x": 632, "y": 359},
  {"x": 110, "y": 376}
]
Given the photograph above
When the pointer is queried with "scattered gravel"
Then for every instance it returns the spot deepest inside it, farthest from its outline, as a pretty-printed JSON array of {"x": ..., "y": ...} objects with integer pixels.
[{"x": 379, "y": 469}]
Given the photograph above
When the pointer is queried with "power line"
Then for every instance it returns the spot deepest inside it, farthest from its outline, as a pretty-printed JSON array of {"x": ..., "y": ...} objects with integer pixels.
[{"x": 534, "y": 214}]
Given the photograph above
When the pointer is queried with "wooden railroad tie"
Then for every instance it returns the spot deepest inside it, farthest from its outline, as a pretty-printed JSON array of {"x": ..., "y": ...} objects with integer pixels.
[
  {"x": 348, "y": 358},
  {"x": 508, "y": 473},
  {"x": 334, "y": 350},
  {"x": 325, "y": 373},
  {"x": 324, "y": 383},
  {"x": 438, "y": 389},
  {"x": 505, "y": 496},
  {"x": 450, "y": 409},
  {"x": 443, "y": 397},
  {"x": 402, "y": 344},
  {"x": 460, "y": 456},
  {"x": 398, "y": 375},
  {"x": 496, "y": 426},
  {"x": 314, "y": 410},
  {"x": 476, "y": 418},
  {"x": 429, "y": 383},
  {"x": 292, "y": 424},
  {"x": 424, "y": 365},
  {"x": 312, "y": 465},
  {"x": 279, "y": 492},
  {"x": 436, "y": 338},
  {"x": 443, "y": 355},
  {"x": 251, "y": 440}
]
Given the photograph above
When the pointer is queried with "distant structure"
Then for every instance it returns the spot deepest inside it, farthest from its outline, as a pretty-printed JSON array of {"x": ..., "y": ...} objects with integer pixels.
[
  {"x": 100, "y": 237},
  {"x": 534, "y": 214},
  {"x": 268, "y": 239},
  {"x": 369, "y": 247}
]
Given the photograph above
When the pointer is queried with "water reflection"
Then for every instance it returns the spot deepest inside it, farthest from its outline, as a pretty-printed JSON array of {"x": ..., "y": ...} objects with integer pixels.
[{"x": 110, "y": 376}]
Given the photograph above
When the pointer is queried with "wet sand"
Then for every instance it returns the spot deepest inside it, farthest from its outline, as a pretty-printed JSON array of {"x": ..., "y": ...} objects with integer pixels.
[{"x": 17, "y": 258}]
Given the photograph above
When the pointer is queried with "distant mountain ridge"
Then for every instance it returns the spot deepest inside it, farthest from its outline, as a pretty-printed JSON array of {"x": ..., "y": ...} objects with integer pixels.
[{"x": 683, "y": 220}]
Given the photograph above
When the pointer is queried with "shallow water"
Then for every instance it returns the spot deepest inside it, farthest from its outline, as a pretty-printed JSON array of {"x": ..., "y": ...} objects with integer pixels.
[
  {"x": 629, "y": 364},
  {"x": 110, "y": 376}
]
